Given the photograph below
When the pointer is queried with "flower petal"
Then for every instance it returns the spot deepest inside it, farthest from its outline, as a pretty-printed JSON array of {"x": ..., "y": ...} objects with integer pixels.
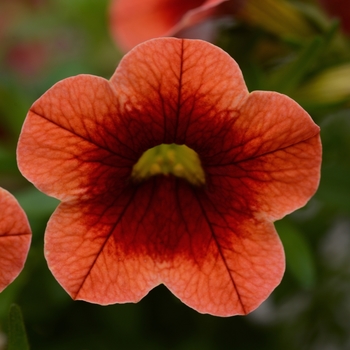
[
  {"x": 84, "y": 248},
  {"x": 69, "y": 134},
  {"x": 180, "y": 92},
  {"x": 244, "y": 263},
  {"x": 273, "y": 161},
  {"x": 117, "y": 249},
  {"x": 15, "y": 237}
]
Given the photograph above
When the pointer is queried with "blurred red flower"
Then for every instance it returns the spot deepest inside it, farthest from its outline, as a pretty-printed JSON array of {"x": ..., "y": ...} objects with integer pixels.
[
  {"x": 116, "y": 235},
  {"x": 15, "y": 237},
  {"x": 25, "y": 55},
  {"x": 339, "y": 9},
  {"x": 133, "y": 22},
  {"x": 28, "y": 59}
]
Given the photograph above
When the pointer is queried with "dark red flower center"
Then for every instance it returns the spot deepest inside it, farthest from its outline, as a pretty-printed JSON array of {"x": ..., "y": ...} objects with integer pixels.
[{"x": 173, "y": 159}]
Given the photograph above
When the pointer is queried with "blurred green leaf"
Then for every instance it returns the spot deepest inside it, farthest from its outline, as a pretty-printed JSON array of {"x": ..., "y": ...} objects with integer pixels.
[
  {"x": 329, "y": 87},
  {"x": 17, "y": 338},
  {"x": 14, "y": 105},
  {"x": 36, "y": 203},
  {"x": 287, "y": 77},
  {"x": 299, "y": 258},
  {"x": 335, "y": 180},
  {"x": 7, "y": 160}
]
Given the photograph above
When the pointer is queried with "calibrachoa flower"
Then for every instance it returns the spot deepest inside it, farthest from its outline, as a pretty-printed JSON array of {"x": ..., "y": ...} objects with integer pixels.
[
  {"x": 170, "y": 172},
  {"x": 135, "y": 21},
  {"x": 15, "y": 237}
]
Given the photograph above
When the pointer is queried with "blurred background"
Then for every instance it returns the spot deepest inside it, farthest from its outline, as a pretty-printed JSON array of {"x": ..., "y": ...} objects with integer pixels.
[{"x": 300, "y": 48}]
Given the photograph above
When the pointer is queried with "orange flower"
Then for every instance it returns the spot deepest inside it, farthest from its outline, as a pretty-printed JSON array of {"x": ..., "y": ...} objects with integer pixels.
[
  {"x": 15, "y": 237},
  {"x": 196, "y": 217},
  {"x": 133, "y": 22}
]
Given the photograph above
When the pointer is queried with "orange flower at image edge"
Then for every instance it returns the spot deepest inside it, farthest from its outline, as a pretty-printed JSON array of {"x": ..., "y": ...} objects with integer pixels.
[
  {"x": 135, "y": 21},
  {"x": 15, "y": 237},
  {"x": 170, "y": 172}
]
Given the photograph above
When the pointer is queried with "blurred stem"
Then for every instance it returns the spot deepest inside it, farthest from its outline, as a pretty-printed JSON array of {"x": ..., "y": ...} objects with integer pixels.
[{"x": 17, "y": 337}]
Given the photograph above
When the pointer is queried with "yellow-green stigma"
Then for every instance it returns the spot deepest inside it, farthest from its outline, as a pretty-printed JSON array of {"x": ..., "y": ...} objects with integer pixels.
[{"x": 178, "y": 160}]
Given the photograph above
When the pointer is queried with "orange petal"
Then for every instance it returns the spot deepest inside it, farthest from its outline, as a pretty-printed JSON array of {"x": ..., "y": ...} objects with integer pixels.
[
  {"x": 75, "y": 128},
  {"x": 15, "y": 237},
  {"x": 272, "y": 163},
  {"x": 181, "y": 91},
  {"x": 84, "y": 249},
  {"x": 116, "y": 249},
  {"x": 243, "y": 264}
]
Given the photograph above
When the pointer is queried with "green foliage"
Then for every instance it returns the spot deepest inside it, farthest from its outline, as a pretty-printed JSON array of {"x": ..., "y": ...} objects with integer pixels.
[{"x": 299, "y": 257}]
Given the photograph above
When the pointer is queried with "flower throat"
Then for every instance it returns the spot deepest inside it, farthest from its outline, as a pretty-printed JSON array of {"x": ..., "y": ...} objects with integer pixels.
[{"x": 165, "y": 159}]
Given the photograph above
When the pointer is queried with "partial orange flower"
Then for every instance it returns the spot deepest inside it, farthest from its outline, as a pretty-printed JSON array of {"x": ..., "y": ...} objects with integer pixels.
[
  {"x": 15, "y": 237},
  {"x": 135, "y": 21},
  {"x": 169, "y": 173}
]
